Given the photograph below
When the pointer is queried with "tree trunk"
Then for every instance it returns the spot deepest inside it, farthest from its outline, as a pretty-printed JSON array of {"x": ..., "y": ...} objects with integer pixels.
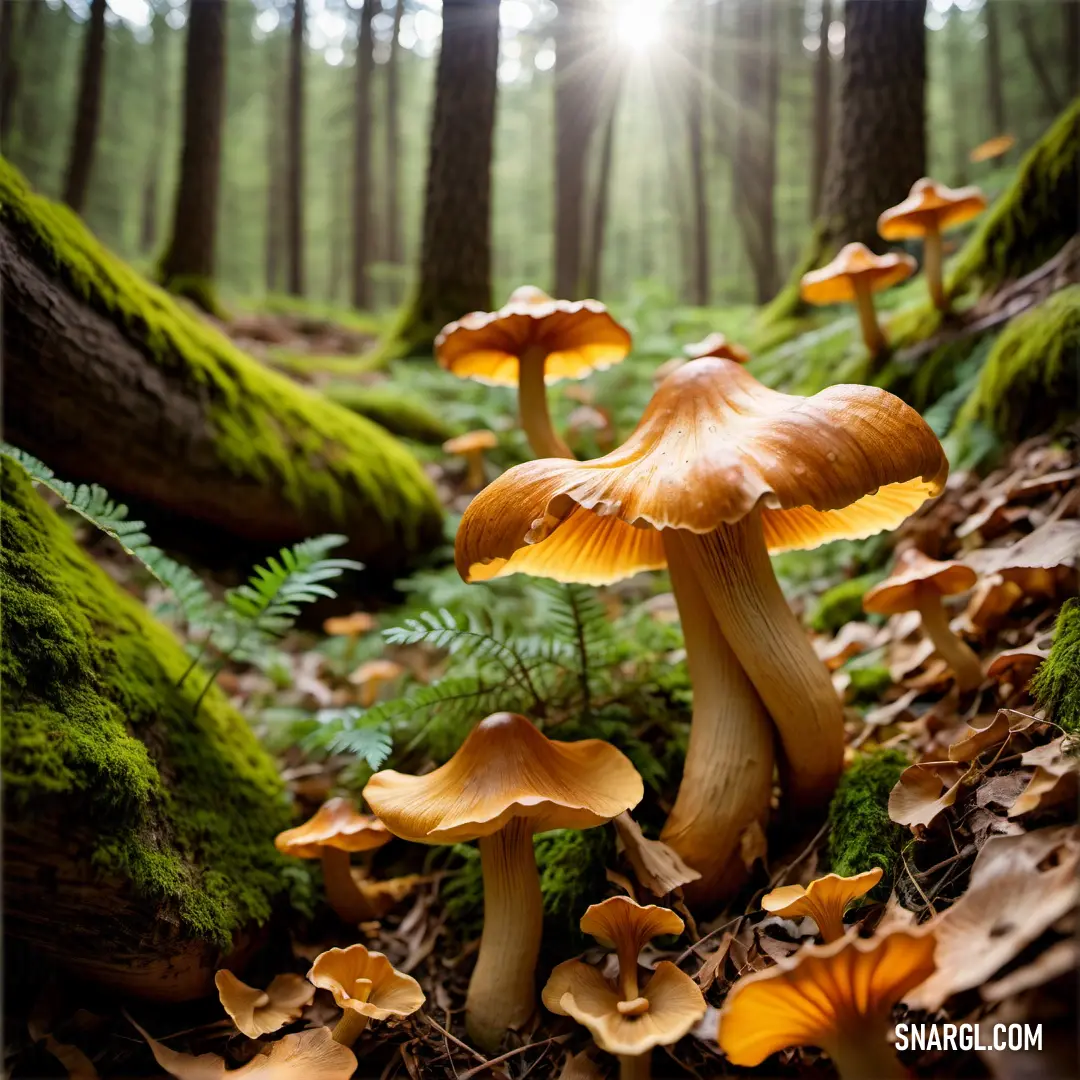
[
  {"x": 700, "y": 281},
  {"x": 1071, "y": 14},
  {"x": 822, "y": 110},
  {"x": 148, "y": 220},
  {"x": 9, "y": 72},
  {"x": 755, "y": 147},
  {"x": 361, "y": 193},
  {"x": 455, "y": 258},
  {"x": 395, "y": 250},
  {"x": 601, "y": 200},
  {"x": 88, "y": 111},
  {"x": 995, "y": 78},
  {"x": 188, "y": 265},
  {"x": 1051, "y": 98},
  {"x": 295, "y": 165},
  {"x": 880, "y": 146},
  {"x": 274, "y": 194},
  {"x": 954, "y": 52}
]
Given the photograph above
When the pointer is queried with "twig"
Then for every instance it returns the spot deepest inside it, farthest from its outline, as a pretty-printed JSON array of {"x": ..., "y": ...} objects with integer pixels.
[
  {"x": 454, "y": 1039},
  {"x": 692, "y": 949},
  {"x": 509, "y": 1054},
  {"x": 918, "y": 887}
]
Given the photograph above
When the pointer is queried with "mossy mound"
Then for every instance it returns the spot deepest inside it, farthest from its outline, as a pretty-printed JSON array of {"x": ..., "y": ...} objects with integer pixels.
[
  {"x": 332, "y": 470},
  {"x": 842, "y": 603},
  {"x": 400, "y": 413},
  {"x": 1056, "y": 685},
  {"x": 1033, "y": 219},
  {"x": 168, "y": 811}
]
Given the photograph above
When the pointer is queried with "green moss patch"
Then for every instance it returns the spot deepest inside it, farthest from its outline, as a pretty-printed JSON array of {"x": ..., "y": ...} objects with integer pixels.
[
  {"x": 842, "y": 603},
  {"x": 183, "y": 804},
  {"x": 1056, "y": 685},
  {"x": 399, "y": 412}
]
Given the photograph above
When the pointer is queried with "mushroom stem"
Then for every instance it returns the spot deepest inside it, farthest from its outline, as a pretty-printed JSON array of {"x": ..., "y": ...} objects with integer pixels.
[
  {"x": 627, "y": 952},
  {"x": 871, "y": 329},
  {"x": 532, "y": 402},
  {"x": 350, "y": 1027},
  {"x": 474, "y": 476},
  {"x": 732, "y": 568},
  {"x": 862, "y": 1051},
  {"x": 635, "y": 1066},
  {"x": 348, "y": 902},
  {"x": 932, "y": 260},
  {"x": 727, "y": 778},
  {"x": 954, "y": 651},
  {"x": 502, "y": 994}
]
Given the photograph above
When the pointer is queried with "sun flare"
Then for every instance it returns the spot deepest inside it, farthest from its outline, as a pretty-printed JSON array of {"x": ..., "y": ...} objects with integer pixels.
[{"x": 639, "y": 24}]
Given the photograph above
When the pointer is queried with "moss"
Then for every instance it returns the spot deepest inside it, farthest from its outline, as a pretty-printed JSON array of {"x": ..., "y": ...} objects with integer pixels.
[
  {"x": 861, "y": 836},
  {"x": 329, "y": 463},
  {"x": 1056, "y": 685},
  {"x": 184, "y": 805},
  {"x": 842, "y": 603},
  {"x": 788, "y": 305},
  {"x": 868, "y": 682},
  {"x": 1035, "y": 216},
  {"x": 200, "y": 291},
  {"x": 399, "y": 412},
  {"x": 1033, "y": 361}
]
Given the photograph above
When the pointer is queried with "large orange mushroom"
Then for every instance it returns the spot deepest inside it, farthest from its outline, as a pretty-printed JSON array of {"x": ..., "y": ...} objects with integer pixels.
[
  {"x": 506, "y": 782},
  {"x": 532, "y": 341},
  {"x": 719, "y": 471}
]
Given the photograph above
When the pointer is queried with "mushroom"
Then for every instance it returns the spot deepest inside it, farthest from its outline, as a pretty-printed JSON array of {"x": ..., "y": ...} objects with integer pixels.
[
  {"x": 366, "y": 987},
  {"x": 259, "y": 1012},
  {"x": 506, "y": 782},
  {"x": 838, "y": 996},
  {"x": 855, "y": 275},
  {"x": 719, "y": 471},
  {"x": 823, "y": 900},
  {"x": 371, "y": 675},
  {"x": 532, "y": 341},
  {"x": 336, "y": 830},
  {"x": 352, "y": 627},
  {"x": 716, "y": 344},
  {"x": 626, "y": 1018},
  {"x": 471, "y": 447},
  {"x": 928, "y": 211},
  {"x": 918, "y": 583},
  {"x": 992, "y": 148}
]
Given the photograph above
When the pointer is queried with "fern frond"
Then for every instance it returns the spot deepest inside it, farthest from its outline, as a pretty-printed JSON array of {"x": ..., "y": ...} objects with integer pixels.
[{"x": 353, "y": 732}]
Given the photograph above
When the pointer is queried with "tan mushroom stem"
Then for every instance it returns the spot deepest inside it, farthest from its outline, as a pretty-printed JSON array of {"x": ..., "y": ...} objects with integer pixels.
[
  {"x": 502, "y": 994},
  {"x": 635, "y": 1067},
  {"x": 532, "y": 402},
  {"x": 727, "y": 778},
  {"x": 868, "y": 321},
  {"x": 474, "y": 475},
  {"x": 348, "y": 902},
  {"x": 732, "y": 568},
  {"x": 352, "y": 1023},
  {"x": 954, "y": 651},
  {"x": 932, "y": 266},
  {"x": 864, "y": 1051}
]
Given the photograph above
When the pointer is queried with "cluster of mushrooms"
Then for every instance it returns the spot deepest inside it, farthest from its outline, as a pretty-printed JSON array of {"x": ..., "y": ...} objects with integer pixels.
[{"x": 857, "y": 273}]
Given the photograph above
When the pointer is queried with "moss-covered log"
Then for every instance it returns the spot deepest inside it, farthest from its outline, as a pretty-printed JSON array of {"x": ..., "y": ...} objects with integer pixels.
[
  {"x": 401, "y": 413},
  {"x": 109, "y": 379},
  {"x": 138, "y": 833}
]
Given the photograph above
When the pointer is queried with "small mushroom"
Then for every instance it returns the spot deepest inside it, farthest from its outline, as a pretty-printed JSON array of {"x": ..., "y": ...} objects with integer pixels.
[
  {"x": 259, "y": 1012},
  {"x": 626, "y": 1018},
  {"x": 854, "y": 276},
  {"x": 928, "y": 211},
  {"x": 351, "y": 627},
  {"x": 918, "y": 583},
  {"x": 366, "y": 987},
  {"x": 506, "y": 782},
  {"x": 838, "y": 996},
  {"x": 717, "y": 344},
  {"x": 471, "y": 447},
  {"x": 532, "y": 341},
  {"x": 335, "y": 831},
  {"x": 996, "y": 147},
  {"x": 371, "y": 676},
  {"x": 823, "y": 900}
]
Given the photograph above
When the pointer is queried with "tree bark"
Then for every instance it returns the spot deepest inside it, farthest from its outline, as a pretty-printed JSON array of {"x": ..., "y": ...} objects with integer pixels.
[
  {"x": 879, "y": 149},
  {"x": 395, "y": 251},
  {"x": 995, "y": 78},
  {"x": 88, "y": 112},
  {"x": 954, "y": 51},
  {"x": 361, "y": 193},
  {"x": 294, "y": 209},
  {"x": 822, "y": 110},
  {"x": 9, "y": 71},
  {"x": 148, "y": 221},
  {"x": 274, "y": 193},
  {"x": 700, "y": 280},
  {"x": 594, "y": 267},
  {"x": 188, "y": 265}
]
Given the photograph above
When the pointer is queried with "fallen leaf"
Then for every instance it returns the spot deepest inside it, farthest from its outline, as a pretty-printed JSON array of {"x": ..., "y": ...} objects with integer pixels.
[
  {"x": 853, "y": 638},
  {"x": 713, "y": 964},
  {"x": 982, "y": 738},
  {"x": 657, "y": 866},
  {"x": 895, "y": 711},
  {"x": 1054, "y": 780},
  {"x": 1059, "y": 959},
  {"x": 580, "y": 1067},
  {"x": 1018, "y": 665},
  {"x": 918, "y": 797}
]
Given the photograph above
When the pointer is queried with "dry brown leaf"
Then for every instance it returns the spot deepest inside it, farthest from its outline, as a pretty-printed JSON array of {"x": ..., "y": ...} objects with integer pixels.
[
  {"x": 1057, "y": 543},
  {"x": 923, "y": 791},
  {"x": 657, "y": 866},
  {"x": 1016, "y": 666},
  {"x": 1059, "y": 959},
  {"x": 853, "y": 638},
  {"x": 980, "y": 738},
  {"x": 580, "y": 1067},
  {"x": 894, "y": 712},
  {"x": 713, "y": 964},
  {"x": 1054, "y": 780}
]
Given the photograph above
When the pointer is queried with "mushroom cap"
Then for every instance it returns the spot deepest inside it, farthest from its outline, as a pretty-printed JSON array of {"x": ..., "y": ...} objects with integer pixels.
[
  {"x": 336, "y": 824},
  {"x": 258, "y": 1012},
  {"x": 381, "y": 991},
  {"x": 930, "y": 205},
  {"x": 622, "y": 923},
  {"x": 359, "y": 622},
  {"x": 713, "y": 445},
  {"x": 992, "y": 148},
  {"x": 823, "y": 993},
  {"x": 380, "y": 668},
  {"x": 717, "y": 345},
  {"x": 675, "y": 1005},
  {"x": 834, "y": 283},
  {"x": 827, "y": 896},
  {"x": 579, "y": 336},
  {"x": 915, "y": 573},
  {"x": 507, "y": 769},
  {"x": 470, "y": 441}
]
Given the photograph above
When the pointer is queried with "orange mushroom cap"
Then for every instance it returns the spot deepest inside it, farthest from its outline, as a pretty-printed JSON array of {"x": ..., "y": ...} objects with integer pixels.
[
  {"x": 713, "y": 445},
  {"x": 835, "y": 282},
  {"x": 578, "y": 337},
  {"x": 621, "y": 923},
  {"x": 259, "y": 1012},
  {"x": 336, "y": 824},
  {"x": 470, "y": 441},
  {"x": 930, "y": 206},
  {"x": 717, "y": 345},
  {"x": 823, "y": 900},
  {"x": 915, "y": 573},
  {"x": 366, "y": 982},
  {"x": 379, "y": 669},
  {"x": 359, "y": 622},
  {"x": 823, "y": 995},
  {"x": 507, "y": 769},
  {"x": 992, "y": 148}
]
